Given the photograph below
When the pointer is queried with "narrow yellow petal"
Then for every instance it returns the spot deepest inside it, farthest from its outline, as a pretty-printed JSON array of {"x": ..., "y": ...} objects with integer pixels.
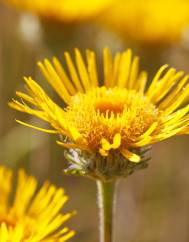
[
  {"x": 68, "y": 236},
  {"x": 72, "y": 145},
  {"x": 185, "y": 130},
  {"x": 149, "y": 131},
  {"x": 130, "y": 156},
  {"x": 105, "y": 144},
  {"x": 124, "y": 71},
  {"x": 162, "y": 83},
  {"x": 3, "y": 233},
  {"x": 37, "y": 128},
  {"x": 56, "y": 82},
  {"x": 151, "y": 88},
  {"x": 173, "y": 118},
  {"x": 165, "y": 86},
  {"x": 73, "y": 72},
  {"x": 169, "y": 99},
  {"x": 141, "y": 82},
  {"x": 115, "y": 69},
  {"x": 178, "y": 101},
  {"x": 145, "y": 141},
  {"x": 26, "y": 97},
  {"x": 61, "y": 72},
  {"x": 134, "y": 72},
  {"x": 81, "y": 66},
  {"x": 108, "y": 65},
  {"x": 92, "y": 68},
  {"x": 75, "y": 135},
  {"x": 116, "y": 141},
  {"x": 103, "y": 152}
]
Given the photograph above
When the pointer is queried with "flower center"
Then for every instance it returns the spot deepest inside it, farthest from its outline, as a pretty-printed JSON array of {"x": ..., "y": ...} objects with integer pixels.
[
  {"x": 102, "y": 113},
  {"x": 105, "y": 106}
]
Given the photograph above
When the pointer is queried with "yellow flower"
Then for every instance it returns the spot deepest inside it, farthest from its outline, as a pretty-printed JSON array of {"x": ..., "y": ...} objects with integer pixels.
[
  {"x": 149, "y": 22},
  {"x": 118, "y": 117},
  {"x": 31, "y": 216},
  {"x": 63, "y": 10}
]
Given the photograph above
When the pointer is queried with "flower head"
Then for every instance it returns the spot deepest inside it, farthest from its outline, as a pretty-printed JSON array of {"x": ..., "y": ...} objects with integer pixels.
[
  {"x": 62, "y": 10},
  {"x": 31, "y": 217},
  {"x": 117, "y": 118},
  {"x": 149, "y": 22}
]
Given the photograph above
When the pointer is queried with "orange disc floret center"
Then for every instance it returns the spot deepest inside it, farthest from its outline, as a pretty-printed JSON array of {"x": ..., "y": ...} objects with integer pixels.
[
  {"x": 102, "y": 112},
  {"x": 10, "y": 222},
  {"x": 109, "y": 106}
]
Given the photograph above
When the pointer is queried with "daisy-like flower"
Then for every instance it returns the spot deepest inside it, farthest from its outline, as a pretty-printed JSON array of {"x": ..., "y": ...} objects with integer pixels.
[
  {"x": 105, "y": 127},
  {"x": 149, "y": 22},
  {"x": 31, "y": 216},
  {"x": 63, "y": 10}
]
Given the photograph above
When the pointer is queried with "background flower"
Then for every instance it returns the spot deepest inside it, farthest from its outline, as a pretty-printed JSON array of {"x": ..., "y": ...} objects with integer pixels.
[
  {"x": 32, "y": 216},
  {"x": 64, "y": 11},
  {"x": 149, "y": 22}
]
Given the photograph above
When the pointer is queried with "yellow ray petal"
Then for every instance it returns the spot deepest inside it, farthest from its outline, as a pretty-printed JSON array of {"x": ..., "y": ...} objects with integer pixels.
[
  {"x": 134, "y": 72},
  {"x": 92, "y": 68},
  {"x": 54, "y": 80},
  {"x": 72, "y": 145},
  {"x": 115, "y": 70},
  {"x": 81, "y": 66},
  {"x": 124, "y": 69},
  {"x": 173, "y": 118},
  {"x": 116, "y": 141},
  {"x": 108, "y": 67},
  {"x": 26, "y": 97},
  {"x": 50, "y": 131},
  {"x": 169, "y": 99},
  {"x": 140, "y": 84},
  {"x": 185, "y": 130},
  {"x": 130, "y": 156},
  {"x": 73, "y": 72},
  {"x": 103, "y": 152},
  {"x": 145, "y": 141},
  {"x": 178, "y": 101},
  {"x": 149, "y": 131},
  {"x": 75, "y": 135},
  {"x": 61, "y": 72},
  {"x": 165, "y": 86},
  {"x": 105, "y": 144},
  {"x": 151, "y": 88}
]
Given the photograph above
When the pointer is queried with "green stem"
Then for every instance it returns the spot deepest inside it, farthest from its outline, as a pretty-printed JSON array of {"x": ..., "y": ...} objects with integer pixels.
[{"x": 106, "y": 194}]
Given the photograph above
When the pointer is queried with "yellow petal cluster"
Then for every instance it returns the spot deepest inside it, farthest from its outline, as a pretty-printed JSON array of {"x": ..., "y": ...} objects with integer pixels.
[
  {"x": 149, "y": 22},
  {"x": 63, "y": 10},
  {"x": 120, "y": 115},
  {"x": 32, "y": 216}
]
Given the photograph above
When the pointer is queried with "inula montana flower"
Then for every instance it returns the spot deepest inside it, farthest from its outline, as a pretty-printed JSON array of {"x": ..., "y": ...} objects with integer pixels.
[
  {"x": 31, "y": 216},
  {"x": 108, "y": 122},
  {"x": 62, "y": 10},
  {"x": 149, "y": 22}
]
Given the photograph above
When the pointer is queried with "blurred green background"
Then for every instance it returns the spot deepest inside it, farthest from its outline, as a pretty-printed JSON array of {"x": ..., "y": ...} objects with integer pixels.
[{"x": 153, "y": 205}]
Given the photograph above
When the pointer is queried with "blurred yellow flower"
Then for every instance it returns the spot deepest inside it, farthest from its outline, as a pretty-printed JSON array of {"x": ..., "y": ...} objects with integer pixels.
[
  {"x": 31, "y": 217},
  {"x": 149, "y": 22},
  {"x": 63, "y": 10},
  {"x": 118, "y": 117}
]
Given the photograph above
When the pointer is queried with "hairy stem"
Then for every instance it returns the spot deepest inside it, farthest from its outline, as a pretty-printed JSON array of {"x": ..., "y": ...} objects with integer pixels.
[{"x": 106, "y": 203}]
